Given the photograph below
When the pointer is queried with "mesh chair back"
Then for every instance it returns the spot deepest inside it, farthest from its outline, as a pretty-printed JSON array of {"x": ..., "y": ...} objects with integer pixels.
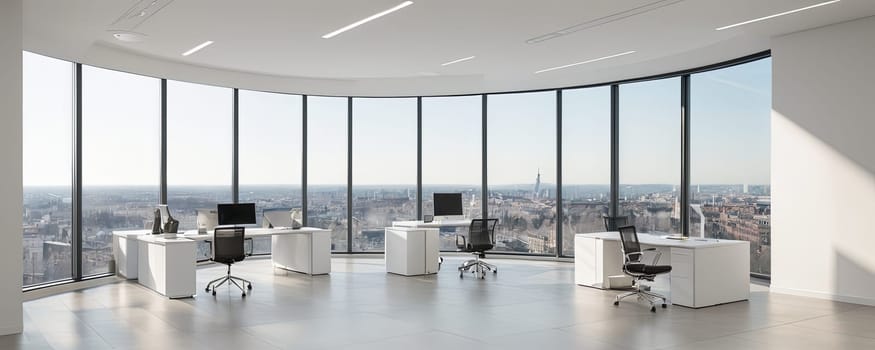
[
  {"x": 481, "y": 235},
  {"x": 614, "y": 222},
  {"x": 629, "y": 242},
  {"x": 228, "y": 245}
]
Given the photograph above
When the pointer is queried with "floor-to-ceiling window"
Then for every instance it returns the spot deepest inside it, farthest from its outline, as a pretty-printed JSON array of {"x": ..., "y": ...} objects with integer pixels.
[
  {"x": 650, "y": 154},
  {"x": 270, "y": 151},
  {"x": 383, "y": 167},
  {"x": 729, "y": 164},
  {"x": 586, "y": 162},
  {"x": 729, "y": 157},
  {"x": 47, "y": 169},
  {"x": 199, "y": 151},
  {"x": 521, "y": 170},
  {"x": 327, "y": 145},
  {"x": 451, "y": 156},
  {"x": 120, "y": 111}
]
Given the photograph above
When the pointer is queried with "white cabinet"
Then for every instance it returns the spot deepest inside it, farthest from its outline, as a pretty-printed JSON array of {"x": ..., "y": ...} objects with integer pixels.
[
  {"x": 683, "y": 281},
  {"x": 308, "y": 252},
  {"x": 167, "y": 266},
  {"x": 411, "y": 251},
  {"x": 125, "y": 250}
]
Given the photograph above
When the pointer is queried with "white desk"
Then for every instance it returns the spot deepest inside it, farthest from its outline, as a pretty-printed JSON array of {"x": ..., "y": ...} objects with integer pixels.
[
  {"x": 411, "y": 251},
  {"x": 433, "y": 224},
  {"x": 305, "y": 250},
  {"x": 412, "y": 247},
  {"x": 705, "y": 272},
  {"x": 167, "y": 266}
]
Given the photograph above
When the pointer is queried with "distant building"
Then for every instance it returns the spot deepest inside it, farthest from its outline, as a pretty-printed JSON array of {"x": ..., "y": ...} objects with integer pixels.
[{"x": 537, "y": 190}]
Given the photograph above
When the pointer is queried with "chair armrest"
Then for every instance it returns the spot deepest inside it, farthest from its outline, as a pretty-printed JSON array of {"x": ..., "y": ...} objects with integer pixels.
[
  {"x": 251, "y": 245},
  {"x": 628, "y": 256},
  {"x": 464, "y": 242},
  {"x": 655, "y": 257}
]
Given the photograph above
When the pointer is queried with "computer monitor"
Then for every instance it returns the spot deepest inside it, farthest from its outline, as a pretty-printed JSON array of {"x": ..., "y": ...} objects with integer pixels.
[
  {"x": 276, "y": 217},
  {"x": 448, "y": 206},
  {"x": 207, "y": 220},
  {"x": 236, "y": 214}
]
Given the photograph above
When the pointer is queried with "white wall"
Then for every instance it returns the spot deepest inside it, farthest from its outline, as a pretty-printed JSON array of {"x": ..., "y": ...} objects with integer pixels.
[
  {"x": 823, "y": 162},
  {"x": 10, "y": 158}
]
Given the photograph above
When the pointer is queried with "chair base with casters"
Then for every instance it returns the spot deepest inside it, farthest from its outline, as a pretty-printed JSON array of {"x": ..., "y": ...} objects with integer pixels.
[
  {"x": 211, "y": 287},
  {"x": 477, "y": 267},
  {"x": 633, "y": 266},
  {"x": 643, "y": 293}
]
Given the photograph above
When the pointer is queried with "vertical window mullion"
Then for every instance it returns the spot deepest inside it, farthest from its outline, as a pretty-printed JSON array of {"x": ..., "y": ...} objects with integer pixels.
[{"x": 76, "y": 238}]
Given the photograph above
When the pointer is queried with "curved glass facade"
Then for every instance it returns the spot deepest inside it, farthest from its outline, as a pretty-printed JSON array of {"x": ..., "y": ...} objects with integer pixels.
[{"x": 548, "y": 164}]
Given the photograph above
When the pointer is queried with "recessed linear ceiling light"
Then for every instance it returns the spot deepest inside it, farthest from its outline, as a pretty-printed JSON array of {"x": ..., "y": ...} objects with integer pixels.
[
  {"x": 198, "y": 48},
  {"x": 651, "y": 6},
  {"x": 585, "y": 62},
  {"x": 366, "y": 20},
  {"x": 778, "y": 14},
  {"x": 458, "y": 60}
]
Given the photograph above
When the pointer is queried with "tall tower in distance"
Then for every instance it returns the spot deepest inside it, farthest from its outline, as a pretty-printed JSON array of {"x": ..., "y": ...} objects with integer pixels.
[{"x": 537, "y": 191}]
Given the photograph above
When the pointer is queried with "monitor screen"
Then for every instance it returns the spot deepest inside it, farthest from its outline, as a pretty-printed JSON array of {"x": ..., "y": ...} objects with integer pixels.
[
  {"x": 277, "y": 217},
  {"x": 236, "y": 214},
  {"x": 448, "y": 204}
]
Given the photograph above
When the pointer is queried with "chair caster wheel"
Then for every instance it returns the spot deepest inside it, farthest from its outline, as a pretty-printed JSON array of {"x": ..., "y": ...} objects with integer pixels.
[
  {"x": 495, "y": 271},
  {"x": 616, "y": 303},
  {"x": 664, "y": 306},
  {"x": 207, "y": 289},
  {"x": 244, "y": 295},
  {"x": 653, "y": 309},
  {"x": 249, "y": 286},
  {"x": 461, "y": 275},
  {"x": 214, "y": 293}
]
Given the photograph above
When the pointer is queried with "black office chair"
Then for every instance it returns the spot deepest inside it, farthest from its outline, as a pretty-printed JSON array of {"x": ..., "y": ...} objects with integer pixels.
[
  {"x": 228, "y": 249},
  {"x": 614, "y": 222},
  {"x": 634, "y": 267},
  {"x": 481, "y": 237}
]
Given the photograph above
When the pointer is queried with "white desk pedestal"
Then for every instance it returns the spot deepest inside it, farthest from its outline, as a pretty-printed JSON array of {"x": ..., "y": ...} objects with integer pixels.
[
  {"x": 125, "y": 250},
  {"x": 167, "y": 266},
  {"x": 412, "y": 251},
  {"x": 308, "y": 252}
]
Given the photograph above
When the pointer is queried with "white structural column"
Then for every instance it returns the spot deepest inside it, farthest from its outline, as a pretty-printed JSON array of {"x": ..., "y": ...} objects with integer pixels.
[
  {"x": 10, "y": 157},
  {"x": 823, "y": 169}
]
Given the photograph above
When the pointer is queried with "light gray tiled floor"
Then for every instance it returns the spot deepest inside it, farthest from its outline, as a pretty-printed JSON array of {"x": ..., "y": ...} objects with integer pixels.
[{"x": 528, "y": 305}]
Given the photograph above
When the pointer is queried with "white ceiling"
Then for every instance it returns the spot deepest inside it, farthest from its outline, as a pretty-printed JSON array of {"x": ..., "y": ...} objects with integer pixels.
[{"x": 278, "y": 44}]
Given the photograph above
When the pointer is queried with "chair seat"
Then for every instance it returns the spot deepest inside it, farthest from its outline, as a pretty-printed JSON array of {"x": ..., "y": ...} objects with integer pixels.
[
  {"x": 472, "y": 248},
  {"x": 648, "y": 269},
  {"x": 225, "y": 261}
]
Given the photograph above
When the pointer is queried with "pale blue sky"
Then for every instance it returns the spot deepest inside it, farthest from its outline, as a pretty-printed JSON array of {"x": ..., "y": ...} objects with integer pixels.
[
  {"x": 730, "y": 133},
  {"x": 270, "y": 137},
  {"x": 451, "y": 140},
  {"x": 326, "y": 140},
  {"x": 121, "y": 118}
]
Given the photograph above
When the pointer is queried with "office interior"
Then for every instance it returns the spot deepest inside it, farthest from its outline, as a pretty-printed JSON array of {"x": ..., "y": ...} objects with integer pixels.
[{"x": 361, "y": 146}]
